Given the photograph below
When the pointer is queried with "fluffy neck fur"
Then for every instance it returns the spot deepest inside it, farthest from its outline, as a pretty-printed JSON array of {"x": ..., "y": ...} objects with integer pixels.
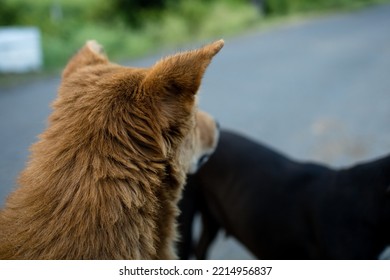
[{"x": 86, "y": 181}]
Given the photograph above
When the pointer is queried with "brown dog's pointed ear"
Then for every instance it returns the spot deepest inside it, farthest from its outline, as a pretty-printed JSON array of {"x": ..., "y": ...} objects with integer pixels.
[
  {"x": 91, "y": 54},
  {"x": 183, "y": 72}
]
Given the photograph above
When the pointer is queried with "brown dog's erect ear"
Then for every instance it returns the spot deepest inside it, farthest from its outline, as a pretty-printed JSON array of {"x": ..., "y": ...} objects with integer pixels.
[
  {"x": 183, "y": 72},
  {"x": 91, "y": 54}
]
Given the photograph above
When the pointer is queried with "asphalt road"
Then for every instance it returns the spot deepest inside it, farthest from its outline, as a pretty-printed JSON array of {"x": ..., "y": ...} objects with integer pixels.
[{"x": 317, "y": 89}]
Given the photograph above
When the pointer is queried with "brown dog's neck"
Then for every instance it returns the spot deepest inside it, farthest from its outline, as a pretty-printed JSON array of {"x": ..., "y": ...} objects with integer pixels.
[{"x": 92, "y": 203}]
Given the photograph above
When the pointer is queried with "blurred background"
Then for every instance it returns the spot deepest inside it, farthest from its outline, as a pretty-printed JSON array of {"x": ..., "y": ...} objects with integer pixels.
[
  {"x": 130, "y": 28},
  {"x": 309, "y": 78}
]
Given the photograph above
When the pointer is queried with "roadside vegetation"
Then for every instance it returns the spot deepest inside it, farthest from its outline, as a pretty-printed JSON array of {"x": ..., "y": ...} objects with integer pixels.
[{"x": 133, "y": 28}]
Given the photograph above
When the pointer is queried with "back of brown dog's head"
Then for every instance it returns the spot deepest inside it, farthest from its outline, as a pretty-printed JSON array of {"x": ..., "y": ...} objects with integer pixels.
[{"x": 150, "y": 109}]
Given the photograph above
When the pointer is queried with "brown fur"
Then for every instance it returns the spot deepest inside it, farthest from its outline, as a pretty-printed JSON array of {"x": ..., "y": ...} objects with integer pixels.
[{"x": 104, "y": 178}]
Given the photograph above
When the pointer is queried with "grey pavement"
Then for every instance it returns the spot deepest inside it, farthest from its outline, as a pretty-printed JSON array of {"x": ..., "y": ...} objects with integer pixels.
[{"x": 316, "y": 89}]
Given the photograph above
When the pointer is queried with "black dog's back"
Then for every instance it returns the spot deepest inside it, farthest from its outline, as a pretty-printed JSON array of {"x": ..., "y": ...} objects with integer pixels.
[
  {"x": 225, "y": 188},
  {"x": 276, "y": 207}
]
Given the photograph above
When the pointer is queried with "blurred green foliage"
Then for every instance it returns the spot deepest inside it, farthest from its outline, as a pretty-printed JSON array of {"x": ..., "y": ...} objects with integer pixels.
[
  {"x": 280, "y": 7},
  {"x": 129, "y": 28},
  {"x": 126, "y": 28}
]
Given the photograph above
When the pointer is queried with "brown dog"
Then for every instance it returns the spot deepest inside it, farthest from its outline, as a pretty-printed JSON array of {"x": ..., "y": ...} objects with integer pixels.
[{"x": 104, "y": 178}]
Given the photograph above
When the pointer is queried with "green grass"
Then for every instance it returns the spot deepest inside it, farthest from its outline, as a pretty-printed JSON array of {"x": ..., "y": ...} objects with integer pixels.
[
  {"x": 180, "y": 23},
  {"x": 67, "y": 24},
  {"x": 294, "y": 6},
  {"x": 191, "y": 21}
]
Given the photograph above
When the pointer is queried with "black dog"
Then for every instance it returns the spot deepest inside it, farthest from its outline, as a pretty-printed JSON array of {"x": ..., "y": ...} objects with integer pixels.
[{"x": 283, "y": 209}]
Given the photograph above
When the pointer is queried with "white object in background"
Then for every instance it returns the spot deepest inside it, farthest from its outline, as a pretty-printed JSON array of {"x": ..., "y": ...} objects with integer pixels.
[{"x": 20, "y": 49}]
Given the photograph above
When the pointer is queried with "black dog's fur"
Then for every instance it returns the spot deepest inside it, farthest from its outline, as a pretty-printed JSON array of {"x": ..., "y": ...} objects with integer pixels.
[{"x": 283, "y": 209}]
